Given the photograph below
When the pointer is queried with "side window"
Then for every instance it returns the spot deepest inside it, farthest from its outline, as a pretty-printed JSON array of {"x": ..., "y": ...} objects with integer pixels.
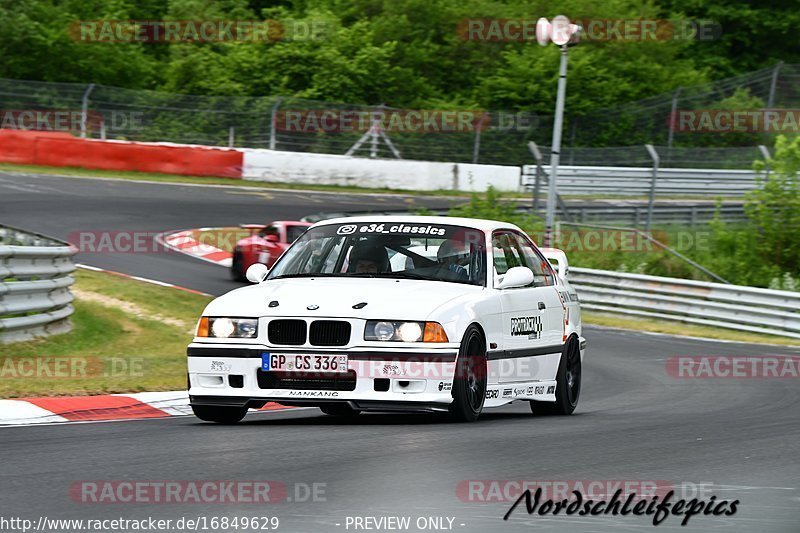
[
  {"x": 505, "y": 252},
  {"x": 270, "y": 230},
  {"x": 542, "y": 271},
  {"x": 294, "y": 232}
]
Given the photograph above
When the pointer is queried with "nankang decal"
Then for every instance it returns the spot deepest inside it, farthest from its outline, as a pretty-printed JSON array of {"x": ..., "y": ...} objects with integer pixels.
[
  {"x": 527, "y": 325},
  {"x": 316, "y": 394}
]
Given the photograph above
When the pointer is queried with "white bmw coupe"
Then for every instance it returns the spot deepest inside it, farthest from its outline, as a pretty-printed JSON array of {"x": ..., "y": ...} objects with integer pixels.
[{"x": 394, "y": 314}]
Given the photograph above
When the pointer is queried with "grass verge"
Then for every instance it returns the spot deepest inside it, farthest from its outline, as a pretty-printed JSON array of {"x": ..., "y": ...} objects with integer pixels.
[
  {"x": 682, "y": 330},
  {"x": 128, "y": 336}
]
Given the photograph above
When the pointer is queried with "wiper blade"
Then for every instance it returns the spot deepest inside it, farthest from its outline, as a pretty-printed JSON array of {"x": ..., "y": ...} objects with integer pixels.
[
  {"x": 403, "y": 274},
  {"x": 305, "y": 275}
]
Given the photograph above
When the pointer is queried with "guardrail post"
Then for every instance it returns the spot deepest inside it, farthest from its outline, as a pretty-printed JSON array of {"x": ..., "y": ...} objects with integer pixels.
[
  {"x": 231, "y": 136},
  {"x": 652, "y": 200}
]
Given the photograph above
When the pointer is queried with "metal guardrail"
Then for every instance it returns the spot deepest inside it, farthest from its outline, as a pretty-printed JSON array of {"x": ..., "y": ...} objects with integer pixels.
[
  {"x": 637, "y": 181},
  {"x": 35, "y": 299},
  {"x": 633, "y": 215},
  {"x": 696, "y": 302}
]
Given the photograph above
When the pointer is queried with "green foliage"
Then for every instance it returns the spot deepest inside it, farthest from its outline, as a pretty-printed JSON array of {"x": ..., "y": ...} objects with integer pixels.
[
  {"x": 765, "y": 250},
  {"x": 492, "y": 205},
  {"x": 402, "y": 53}
]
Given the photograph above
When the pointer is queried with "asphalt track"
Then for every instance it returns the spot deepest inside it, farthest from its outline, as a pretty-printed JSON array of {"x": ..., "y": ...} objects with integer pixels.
[{"x": 733, "y": 439}]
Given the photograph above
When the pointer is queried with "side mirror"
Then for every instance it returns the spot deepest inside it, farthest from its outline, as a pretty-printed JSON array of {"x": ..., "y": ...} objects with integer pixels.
[
  {"x": 256, "y": 273},
  {"x": 516, "y": 277}
]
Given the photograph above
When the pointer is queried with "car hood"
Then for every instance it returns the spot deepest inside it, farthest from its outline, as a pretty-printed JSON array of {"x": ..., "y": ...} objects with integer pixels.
[{"x": 385, "y": 298}]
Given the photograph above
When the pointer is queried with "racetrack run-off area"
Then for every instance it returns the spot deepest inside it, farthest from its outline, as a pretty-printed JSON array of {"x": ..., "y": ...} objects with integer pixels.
[{"x": 636, "y": 422}]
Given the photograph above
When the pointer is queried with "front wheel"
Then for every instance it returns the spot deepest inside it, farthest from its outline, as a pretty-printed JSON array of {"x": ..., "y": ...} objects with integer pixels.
[
  {"x": 219, "y": 414},
  {"x": 568, "y": 383},
  {"x": 237, "y": 272},
  {"x": 469, "y": 384}
]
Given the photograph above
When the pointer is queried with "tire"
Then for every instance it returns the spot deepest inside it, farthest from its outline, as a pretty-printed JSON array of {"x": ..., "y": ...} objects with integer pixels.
[
  {"x": 339, "y": 409},
  {"x": 469, "y": 383},
  {"x": 236, "y": 268},
  {"x": 568, "y": 383},
  {"x": 221, "y": 415}
]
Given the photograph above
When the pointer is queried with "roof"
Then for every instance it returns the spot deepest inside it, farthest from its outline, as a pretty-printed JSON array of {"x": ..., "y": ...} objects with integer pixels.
[{"x": 475, "y": 223}]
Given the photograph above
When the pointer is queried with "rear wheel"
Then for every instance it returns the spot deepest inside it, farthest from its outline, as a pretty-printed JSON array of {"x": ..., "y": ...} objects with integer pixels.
[
  {"x": 339, "y": 409},
  {"x": 469, "y": 384},
  {"x": 568, "y": 383},
  {"x": 219, "y": 414}
]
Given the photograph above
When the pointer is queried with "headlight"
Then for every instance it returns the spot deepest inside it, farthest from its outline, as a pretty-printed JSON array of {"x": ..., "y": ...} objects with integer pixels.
[
  {"x": 228, "y": 328},
  {"x": 386, "y": 330}
]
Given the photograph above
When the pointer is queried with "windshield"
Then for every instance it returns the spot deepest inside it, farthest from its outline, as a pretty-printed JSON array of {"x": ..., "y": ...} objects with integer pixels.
[{"x": 388, "y": 249}]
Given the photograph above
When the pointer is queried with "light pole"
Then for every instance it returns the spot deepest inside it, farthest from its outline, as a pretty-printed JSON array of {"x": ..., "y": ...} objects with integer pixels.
[{"x": 559, "y": 32}]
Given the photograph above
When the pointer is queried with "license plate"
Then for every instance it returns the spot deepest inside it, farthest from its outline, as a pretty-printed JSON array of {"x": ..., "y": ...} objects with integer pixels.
[{"x": 286, "y": 362}]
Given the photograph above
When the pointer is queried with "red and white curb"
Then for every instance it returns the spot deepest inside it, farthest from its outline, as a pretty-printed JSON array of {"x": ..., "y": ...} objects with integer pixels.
[
  {"x": 139, "y": 278},
  {"x": 105, "y": 407},
  {"x": 185, "y": 243}
]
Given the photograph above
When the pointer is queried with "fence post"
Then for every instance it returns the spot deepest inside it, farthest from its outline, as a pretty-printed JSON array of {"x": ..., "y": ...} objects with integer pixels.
[
  {"x": 767, "y": 156},
  {"x": 231, "y": 137},
  {"x": 773, "y": 84},
  {"x": 476, "y": 150},
  {"x": 652, "y": 200},
  {"x": 273, "y": 121},
  {"x": 85, "y": 108},
  {"x": 537, "y": 154},
  {"x": 671, "y": 132}
]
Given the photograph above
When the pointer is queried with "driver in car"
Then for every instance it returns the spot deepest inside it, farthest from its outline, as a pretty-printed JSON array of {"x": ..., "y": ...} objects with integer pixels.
[
  {"x": 453, "y": 254},
  {"x": 369, "y": 258}
]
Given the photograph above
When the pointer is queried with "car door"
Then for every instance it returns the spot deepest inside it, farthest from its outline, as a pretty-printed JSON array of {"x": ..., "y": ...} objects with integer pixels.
[
  {"x": 554, "y": 313},
  {"x": 528, "y": 328}
]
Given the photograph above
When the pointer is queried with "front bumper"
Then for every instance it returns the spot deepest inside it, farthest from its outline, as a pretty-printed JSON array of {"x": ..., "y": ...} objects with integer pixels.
[{"x": 389, "y": 379}]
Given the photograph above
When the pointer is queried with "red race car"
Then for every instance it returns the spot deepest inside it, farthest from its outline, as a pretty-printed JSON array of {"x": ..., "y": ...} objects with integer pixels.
[{"x": 264, "y": 244}]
